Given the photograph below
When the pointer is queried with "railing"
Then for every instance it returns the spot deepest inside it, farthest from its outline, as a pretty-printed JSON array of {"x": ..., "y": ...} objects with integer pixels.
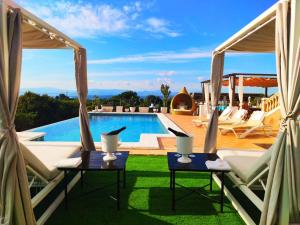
[{"x": 268, "y": 104}]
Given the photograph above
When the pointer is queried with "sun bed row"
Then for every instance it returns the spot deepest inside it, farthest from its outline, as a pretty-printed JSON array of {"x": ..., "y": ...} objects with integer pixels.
[{"x": 232, "y": 119}]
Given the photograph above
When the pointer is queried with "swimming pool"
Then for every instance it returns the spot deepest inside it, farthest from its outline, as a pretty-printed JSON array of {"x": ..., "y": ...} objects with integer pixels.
[{"x": 137, "y": 124}]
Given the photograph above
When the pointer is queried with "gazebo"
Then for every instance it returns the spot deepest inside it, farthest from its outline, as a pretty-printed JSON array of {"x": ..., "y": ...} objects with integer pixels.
[
  {"x": 276, "y": 30},
  {"x": 22, "y": 30},
  {"x": 241, "y": 80}
]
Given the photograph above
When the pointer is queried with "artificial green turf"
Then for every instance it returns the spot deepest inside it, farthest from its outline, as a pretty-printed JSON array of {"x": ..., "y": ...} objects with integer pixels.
[{"x": 146, "y": 199}]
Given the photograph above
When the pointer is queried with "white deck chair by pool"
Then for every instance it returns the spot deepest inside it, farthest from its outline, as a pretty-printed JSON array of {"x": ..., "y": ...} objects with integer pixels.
[
  {"x": 40, "y": 158},
  {"x": 249, "y": 171},
  {"x": 255, "y": 121},
  {"x": 228, "y": 116}
]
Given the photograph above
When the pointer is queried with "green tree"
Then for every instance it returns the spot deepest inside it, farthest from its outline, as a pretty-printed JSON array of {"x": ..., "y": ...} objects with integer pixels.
[
  {"x": 36, "y": 110},
  {"x": 152, "y": 99},
  {"x": 129, "y": 98},
  {"x": 165, "y": 90}
]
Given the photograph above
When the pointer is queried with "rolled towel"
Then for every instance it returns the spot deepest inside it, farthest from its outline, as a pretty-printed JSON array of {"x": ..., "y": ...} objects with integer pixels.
[
  {"x": 69, "y": 163},
  {"x": 219, "y": 164}
]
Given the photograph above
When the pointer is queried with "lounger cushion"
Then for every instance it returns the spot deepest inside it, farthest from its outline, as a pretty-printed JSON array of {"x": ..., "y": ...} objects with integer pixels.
[
  {"x": 42, "y": 156},
  {"x": 246, "y": 163}
]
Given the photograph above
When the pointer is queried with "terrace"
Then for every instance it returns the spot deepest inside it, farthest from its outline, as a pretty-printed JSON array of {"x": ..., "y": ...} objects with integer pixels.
[{"x": 40, "y": 195}]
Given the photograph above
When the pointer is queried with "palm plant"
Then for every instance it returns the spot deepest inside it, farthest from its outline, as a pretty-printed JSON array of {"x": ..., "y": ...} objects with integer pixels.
[{"x": 165, "y": 90}]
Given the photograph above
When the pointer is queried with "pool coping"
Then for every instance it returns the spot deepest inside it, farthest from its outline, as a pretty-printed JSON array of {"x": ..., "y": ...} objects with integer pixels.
[{"x": 147, "y": 140}]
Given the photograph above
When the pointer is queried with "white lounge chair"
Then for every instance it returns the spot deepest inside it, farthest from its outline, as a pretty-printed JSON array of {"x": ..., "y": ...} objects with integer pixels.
[
  {"x": 255, "y": 121},
  {"x": 40, "y": 159},
  {"x": 249, "y": 171},
  {"x": 228, "y": 116}
]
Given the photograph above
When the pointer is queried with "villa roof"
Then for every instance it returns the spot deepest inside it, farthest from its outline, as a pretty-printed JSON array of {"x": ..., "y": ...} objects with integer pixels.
[{"x": 37, "y": 34}]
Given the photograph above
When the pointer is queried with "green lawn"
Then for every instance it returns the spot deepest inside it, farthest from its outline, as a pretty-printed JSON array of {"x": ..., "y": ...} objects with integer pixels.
[{"x": 145, "y": 201}]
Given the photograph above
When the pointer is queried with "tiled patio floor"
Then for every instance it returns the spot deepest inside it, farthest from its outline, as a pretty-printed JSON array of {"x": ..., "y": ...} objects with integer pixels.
[{"x": 255, "y": 141}]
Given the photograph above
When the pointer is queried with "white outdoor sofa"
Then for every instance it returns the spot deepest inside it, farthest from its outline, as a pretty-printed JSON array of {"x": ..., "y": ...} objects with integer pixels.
[
  {"x": 249, "y": 171},
  {"x": 40, "y": 158}
]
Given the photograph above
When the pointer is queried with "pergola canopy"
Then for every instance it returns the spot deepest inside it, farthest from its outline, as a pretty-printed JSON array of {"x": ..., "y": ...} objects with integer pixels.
[
  {"x": 257, "y": 36},
  {"x": 38, "y": 34},
  {"x": 250, "y": 80},
  {"x": 254, "y": 82}
]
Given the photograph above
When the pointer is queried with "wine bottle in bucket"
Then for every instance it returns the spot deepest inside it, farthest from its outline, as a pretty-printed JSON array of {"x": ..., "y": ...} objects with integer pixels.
[
  {"x": 184, "y": 145},
  {"x": 110, "y": 143}
]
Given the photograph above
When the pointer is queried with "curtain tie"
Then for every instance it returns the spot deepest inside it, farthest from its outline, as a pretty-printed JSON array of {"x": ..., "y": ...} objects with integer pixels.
[
  {"x": 289, "y": 116},
  {"x": 5, "y": 131}
]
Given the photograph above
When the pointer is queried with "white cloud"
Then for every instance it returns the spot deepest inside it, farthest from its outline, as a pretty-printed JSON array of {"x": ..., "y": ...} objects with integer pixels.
[
  {"x": 200, "y": 78},
  {"x": 160, "y": 26},
  {"x": 167, "y": 73},
  {"x": 88, "y": 20},
  {"x": 147, "y": 85},
  {"x": 164, "y": 81},
  {"x": 145, "y": 73},
  {"x": 171, "y": 56}
]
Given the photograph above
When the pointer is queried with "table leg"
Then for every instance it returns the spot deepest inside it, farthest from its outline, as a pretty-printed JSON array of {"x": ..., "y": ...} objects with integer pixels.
[
  {"x": 171, "y": 179},
  {"x": 222, "y": 191},
  {"x": 66, "y": 189},
  {"x": 124, "y": 178},
  {"x": 210, "y": 184},
  {"x": 118, "y": 189},
  {"x": 173, "y": 189},
  {"x": 81, "y": 178}
]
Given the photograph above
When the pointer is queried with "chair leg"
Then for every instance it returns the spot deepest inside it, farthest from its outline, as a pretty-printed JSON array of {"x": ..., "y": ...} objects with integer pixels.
[{"x": 247, "y": 132}]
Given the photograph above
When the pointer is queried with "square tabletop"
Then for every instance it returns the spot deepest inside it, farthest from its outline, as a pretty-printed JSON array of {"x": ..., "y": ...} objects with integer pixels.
[
  {"x": 93, "y": 160},
  {"x": 197, "y": 164}
]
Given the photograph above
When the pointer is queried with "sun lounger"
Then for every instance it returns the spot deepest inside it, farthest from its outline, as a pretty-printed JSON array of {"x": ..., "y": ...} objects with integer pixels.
[
  {"x": 228, "y": 116},
  {"x": 249, "y": 171},
  {"x": 40, "y": 158},
  {"x": 254, "y": 122}
]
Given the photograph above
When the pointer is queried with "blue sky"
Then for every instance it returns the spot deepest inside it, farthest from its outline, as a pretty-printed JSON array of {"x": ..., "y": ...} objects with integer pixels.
[{"x": 140, "y": 44}]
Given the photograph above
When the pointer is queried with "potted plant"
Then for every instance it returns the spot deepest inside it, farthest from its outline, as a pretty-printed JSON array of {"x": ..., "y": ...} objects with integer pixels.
[
  {"x": 133, "y": 104},
  {"x": 165, "y": 90},
  {"x": 143, "y": 108}
]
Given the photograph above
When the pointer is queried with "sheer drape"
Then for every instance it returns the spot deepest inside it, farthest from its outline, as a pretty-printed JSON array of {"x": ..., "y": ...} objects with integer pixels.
[
  {"x": 241, "y": 91},
  {"x": 216, "y": 84},
  {"x": 15, "y": 200},
  {"x": 282, "y": 197},
  {"x": 231, "y": 81},
  {"x": 82, "y": 90}
]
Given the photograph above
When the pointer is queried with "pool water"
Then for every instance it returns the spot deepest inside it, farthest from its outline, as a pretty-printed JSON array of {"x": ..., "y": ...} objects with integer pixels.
[{"x": 68, "y": 130}]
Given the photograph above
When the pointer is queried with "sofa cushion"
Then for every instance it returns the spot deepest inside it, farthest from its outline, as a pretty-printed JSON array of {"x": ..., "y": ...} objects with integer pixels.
[
  {"x": 42, "y": 156},
  {"x": 246, "y": 163}
]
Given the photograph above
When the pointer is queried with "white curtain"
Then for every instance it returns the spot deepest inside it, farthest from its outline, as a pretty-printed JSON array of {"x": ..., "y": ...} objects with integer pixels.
[
  {"x": 15, "y": 200},
  {"x": 241, "y": 90},
  {"x": 206, "y": 95},
  {"x": 216, "y": 84},
  {"x": 282, "y": 196},
  {"x": 82, "y": 91},
  {"x": 231, "y": 81}
]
